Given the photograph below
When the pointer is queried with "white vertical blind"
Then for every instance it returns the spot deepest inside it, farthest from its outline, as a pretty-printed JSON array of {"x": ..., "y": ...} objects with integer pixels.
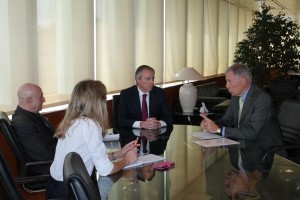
[
  {"x": 176, "y": 24},
  {"x": 223, "y": 35},
  {"x": 195, "y": 35},
  {"x": 115, "y": 43},
  {"x": 233, "y": 31},
  {"x": 210, "y": 48},
  {"x": 51, "y": 43}
]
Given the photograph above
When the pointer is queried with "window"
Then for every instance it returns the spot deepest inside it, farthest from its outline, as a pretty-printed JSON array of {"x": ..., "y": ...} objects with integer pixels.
[{"x": 55, "y": 44}]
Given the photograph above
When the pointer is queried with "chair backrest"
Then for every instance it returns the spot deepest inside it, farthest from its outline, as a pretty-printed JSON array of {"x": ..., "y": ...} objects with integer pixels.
[
  {"x": 281, "y": 90},
  {"x": 283, "y": 87},
  {"x": 3, "y": 115},
  {"x": 8, "y": 180},
  {"x": 78, "y": 182},
  {"x": 288, "y": 117},
  {"x": 115, "y": 109},
  {"x": 208, "y": 89},
  {"x": 13, "y": 142}
]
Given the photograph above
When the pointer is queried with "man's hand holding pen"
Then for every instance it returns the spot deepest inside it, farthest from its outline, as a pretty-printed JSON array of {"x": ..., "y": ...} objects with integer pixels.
[{"x": 131, "y": 146}]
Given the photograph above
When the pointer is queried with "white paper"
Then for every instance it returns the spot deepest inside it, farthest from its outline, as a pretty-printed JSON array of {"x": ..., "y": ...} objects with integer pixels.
[
  {"x": 111, "y": 137},
  {"x": 216, "y": 142},
  {"x": 204, "y": 135},
  {"x": 149, "y": 158}
]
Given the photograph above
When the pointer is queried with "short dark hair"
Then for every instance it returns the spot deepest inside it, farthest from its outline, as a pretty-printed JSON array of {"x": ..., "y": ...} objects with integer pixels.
[{"x": 140, "y": 69}]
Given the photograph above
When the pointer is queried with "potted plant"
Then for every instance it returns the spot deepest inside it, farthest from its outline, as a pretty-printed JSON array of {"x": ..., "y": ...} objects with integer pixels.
[{"x": 270, "y": 47}]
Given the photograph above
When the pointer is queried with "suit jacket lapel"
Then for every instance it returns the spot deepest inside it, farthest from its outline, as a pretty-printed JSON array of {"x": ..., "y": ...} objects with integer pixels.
[
  {"x": 235, "y": 108},
  {"x": 247, "y": 102},
  {"x": 151, "y": 103},
  {"x": 136, "y": 104}
]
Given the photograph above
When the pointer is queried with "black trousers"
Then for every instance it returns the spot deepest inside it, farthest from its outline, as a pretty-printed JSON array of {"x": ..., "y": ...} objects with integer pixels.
[{"x": 55, "y": 189}]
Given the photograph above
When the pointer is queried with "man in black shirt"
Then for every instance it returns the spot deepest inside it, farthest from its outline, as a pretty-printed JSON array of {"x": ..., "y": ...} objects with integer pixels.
[{"x": 33, "y": 130}]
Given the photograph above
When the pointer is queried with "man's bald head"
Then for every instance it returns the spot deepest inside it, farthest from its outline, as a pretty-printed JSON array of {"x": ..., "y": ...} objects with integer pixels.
[{"x": 30, "y": 97}]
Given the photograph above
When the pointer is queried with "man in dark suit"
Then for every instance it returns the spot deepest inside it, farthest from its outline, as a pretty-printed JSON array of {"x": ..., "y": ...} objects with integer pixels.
[
  {"x": 33, "y": 130},
  {"x": 130, "y": 107},
  {"x": 256, "y": 125}
]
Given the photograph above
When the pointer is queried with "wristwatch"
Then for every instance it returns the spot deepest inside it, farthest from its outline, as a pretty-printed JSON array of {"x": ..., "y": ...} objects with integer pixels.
[
  {"x": 219, "y": 130},
  {"x": 113, "y": 157}
]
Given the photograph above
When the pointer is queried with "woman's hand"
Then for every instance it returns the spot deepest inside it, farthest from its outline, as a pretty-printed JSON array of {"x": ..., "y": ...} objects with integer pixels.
[
  {"x": 121, "y": 153},
  {"x": 131, "y": 156}
]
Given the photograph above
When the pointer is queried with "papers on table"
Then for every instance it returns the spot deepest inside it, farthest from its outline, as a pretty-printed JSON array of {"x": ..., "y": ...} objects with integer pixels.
[
  {"x": 216, "y": 142},
  {"x": 145, "y": 159},
  {"x": 207, "y": 139},
  {"x": 204, "y": 135},
  {"x": 111, "y": 137}
]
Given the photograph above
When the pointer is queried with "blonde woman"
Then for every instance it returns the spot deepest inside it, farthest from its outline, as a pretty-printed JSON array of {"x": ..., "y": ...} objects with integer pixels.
[{"x": 81, "y": 131}]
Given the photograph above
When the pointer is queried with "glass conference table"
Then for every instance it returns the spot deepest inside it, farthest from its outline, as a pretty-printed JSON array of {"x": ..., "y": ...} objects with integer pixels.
[{"x": 199, "y": 173}]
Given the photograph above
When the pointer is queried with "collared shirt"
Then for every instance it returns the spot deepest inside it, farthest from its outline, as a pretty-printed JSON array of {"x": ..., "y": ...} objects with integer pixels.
[
  {"x": 141, "y": 98},
  {"x": 243, "y": 99},
  {"x": 245, "y": 94},
  {"x": 136, "y": 124},
  {"x": 84, "y": 136}
]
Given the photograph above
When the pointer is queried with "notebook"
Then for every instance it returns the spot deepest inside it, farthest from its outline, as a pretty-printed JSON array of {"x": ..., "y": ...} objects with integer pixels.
[
  {"x": 216, "y": 142},
  {"x": 145, "y": 159}
]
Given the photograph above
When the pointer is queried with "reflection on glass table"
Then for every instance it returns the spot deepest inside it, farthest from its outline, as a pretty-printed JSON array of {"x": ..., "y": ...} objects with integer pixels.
[
  {"x": 283, "y": 181},
  {"x": 131, "y": 179},
  {"x": 199, "y": 173}
]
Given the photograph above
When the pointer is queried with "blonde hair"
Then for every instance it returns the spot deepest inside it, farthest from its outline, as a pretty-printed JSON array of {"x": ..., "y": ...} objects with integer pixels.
[{"x": 88, "y": 99}]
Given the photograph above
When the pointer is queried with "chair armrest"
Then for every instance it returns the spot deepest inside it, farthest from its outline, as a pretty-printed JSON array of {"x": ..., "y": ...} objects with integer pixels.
[
  {"x": 28, "y": 165},
  {"x": 36, "y": 179},
  {"x": 42, "y": 162},
  {"x": 32, "y": 179},
  {"x": 282, "y": 147}
]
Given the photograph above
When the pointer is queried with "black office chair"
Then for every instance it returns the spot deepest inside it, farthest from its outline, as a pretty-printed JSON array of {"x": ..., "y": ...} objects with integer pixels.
[
  {"x": 23, "y": 164},
  {"x": 115, "y": 109},
  {"x": 288, "y": 117},
  {"x": 78, "y": 182},
  {"x": 10, "y": 184}
]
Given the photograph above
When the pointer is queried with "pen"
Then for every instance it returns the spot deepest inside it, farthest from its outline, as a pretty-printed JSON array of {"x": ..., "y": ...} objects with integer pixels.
[{"x": 136, "y": 141}]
